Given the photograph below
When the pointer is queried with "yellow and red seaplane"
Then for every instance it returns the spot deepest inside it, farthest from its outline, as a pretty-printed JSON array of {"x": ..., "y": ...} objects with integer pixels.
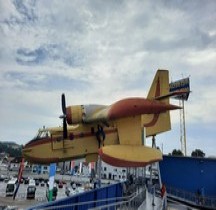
[{"x": 115, "y": 131}]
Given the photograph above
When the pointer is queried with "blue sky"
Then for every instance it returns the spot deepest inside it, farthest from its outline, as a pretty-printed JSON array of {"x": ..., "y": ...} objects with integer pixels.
[{"x": 102, "y": 51}]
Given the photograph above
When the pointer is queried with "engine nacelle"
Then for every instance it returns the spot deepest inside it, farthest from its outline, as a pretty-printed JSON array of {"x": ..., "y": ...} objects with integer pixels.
[
  {"x": 75, "y": 114},
  {"x": 81, "y": 113}
]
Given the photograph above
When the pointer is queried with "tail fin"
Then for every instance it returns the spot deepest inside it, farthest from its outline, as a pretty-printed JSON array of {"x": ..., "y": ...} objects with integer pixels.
[
  {"x": 158, "y": 123},
  {"x": 160, "y": 85}
]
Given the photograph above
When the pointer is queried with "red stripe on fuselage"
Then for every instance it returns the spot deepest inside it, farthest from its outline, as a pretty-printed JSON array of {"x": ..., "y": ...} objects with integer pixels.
[
  {"x": 37, "y": 142},
  {"x": 42, "y": 160}
]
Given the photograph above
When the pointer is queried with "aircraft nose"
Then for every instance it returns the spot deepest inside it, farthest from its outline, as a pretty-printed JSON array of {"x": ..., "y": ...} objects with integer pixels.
[{"x": 26, "y": 150}]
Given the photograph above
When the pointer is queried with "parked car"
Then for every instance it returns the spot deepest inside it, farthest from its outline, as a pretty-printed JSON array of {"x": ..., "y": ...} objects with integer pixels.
[
  {"x": 31, "y": 192},
  {"x": 26, "y": 181},
  {"x": 42, "y": 184},
  {"x": 11, "y": 187},
  {"x": 37, "y": 182}
]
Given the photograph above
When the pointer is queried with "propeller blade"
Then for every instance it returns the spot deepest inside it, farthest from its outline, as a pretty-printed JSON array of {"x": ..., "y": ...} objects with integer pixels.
[
  {"x": 63, "y": 116},
  {"x": 63, "y": 104},
  {"x": 65, "y": 133}
]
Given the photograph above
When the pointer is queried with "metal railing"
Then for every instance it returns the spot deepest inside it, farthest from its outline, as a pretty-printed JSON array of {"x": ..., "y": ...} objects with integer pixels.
[
  {"x": 132, "y": 203},
  {"x": 85, "y": 200},
  {"x": 192, "y": 198},
  {"x": 88, "y": 203}
]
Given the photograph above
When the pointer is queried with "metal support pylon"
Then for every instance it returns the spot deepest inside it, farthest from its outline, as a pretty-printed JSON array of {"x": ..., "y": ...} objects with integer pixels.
[
  {"x": 183, "y": 128},
  {"x": 156, "y": 164}
]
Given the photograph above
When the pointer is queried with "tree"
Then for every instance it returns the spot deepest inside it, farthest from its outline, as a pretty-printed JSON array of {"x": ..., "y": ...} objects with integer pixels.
[
  {"x": 197, "y": 153},
  {"x": 176, "y": 152},
  {"x": 5, "y": 147}
]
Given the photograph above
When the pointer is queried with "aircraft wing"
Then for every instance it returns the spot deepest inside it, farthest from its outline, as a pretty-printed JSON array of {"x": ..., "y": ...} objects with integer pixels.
[{"x": 124, "y": 108}]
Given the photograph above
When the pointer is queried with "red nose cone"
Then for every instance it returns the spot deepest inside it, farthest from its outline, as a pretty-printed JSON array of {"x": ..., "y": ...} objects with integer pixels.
[{"x": 171, "y": 107}]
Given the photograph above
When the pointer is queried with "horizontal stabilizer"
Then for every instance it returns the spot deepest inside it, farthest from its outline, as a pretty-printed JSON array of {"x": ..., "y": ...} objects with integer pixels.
[
  {"x": 129, "y": 155},
  {"x": 171, "y": 94}
]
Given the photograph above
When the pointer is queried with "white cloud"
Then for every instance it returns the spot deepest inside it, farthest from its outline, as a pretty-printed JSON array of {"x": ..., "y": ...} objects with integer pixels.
[
  {"x": 204, "y": 57},
  {"x": 98, "y": 52}
]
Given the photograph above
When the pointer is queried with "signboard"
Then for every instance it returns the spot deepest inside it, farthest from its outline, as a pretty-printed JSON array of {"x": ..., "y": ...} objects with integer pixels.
[{"x": 181, "y": 85}]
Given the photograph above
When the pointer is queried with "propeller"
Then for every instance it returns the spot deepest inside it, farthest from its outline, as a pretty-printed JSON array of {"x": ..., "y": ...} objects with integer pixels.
[{"x": 64, "y": 116}]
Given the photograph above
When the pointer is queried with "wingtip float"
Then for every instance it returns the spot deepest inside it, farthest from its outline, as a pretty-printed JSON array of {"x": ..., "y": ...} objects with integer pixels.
[{"x": 85, "y": 132}]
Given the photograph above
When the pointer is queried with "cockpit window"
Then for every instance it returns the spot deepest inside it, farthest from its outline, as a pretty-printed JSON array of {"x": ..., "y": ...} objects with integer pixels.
[{"x": 42, "y": 134}]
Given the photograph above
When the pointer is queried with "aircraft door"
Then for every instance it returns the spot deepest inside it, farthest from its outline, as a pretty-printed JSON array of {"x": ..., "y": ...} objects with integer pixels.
[{"x": 57, "y": 142}]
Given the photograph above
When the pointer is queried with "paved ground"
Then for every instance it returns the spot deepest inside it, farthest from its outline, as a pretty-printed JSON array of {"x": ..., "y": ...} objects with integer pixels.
[
  {"x": 21, "y": 204},
  {"x": 21, "y": 201},
  {"x": 40, "y": 195}
]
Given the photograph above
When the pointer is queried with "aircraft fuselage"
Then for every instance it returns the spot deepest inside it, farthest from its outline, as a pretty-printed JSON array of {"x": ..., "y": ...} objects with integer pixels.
[{"x": 81, "y": 143}]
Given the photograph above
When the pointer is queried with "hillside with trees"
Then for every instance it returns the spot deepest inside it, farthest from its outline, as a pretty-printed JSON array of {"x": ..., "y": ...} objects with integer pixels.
[{"x": 11, "y": 148}]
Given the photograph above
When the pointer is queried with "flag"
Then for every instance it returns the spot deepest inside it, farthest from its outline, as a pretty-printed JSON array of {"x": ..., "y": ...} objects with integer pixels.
[
  {"x": 52, "y": 171},
  {"x": 19, "y": 177}
]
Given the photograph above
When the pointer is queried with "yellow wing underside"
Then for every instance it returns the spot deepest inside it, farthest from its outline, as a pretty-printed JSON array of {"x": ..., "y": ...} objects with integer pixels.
[{"x": 129, "y": 130}]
